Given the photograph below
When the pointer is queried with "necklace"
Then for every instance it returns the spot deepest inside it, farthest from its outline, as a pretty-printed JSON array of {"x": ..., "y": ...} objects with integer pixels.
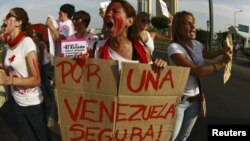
[{"x": 16, "y": 40}]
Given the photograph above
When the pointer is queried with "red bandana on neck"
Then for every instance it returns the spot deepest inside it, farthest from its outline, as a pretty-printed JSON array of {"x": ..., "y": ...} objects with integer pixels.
[
  {"x": 138, "y": 48},
  {"x": 16, "y": 40},
  {"x": 105, "y": 53}
]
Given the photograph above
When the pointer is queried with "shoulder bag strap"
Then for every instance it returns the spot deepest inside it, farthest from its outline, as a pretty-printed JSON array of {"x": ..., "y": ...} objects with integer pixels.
[
  {"x": 190, "y": 55},
  {"x": 151, "y": 55},
  {"x": 143, "y": 41}
]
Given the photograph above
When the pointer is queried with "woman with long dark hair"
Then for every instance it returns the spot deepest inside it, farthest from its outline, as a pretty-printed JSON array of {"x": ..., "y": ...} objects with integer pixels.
[
  {"x": 121, "y": 44},
  {"x": 22, "y": 74}
]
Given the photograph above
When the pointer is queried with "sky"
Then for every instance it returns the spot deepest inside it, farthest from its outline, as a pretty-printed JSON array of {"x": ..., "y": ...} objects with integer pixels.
[{"x": 224, "y": 11}]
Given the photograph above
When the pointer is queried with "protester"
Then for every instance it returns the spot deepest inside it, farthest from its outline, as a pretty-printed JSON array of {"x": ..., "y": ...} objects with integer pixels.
[
  {"x": 118, "y": 19},
  {"x": 147, "y": 38},
  {"x": 81, "y": 20},
  {"x": 65, "y": 26},
  {"x": 102, "y": 13},
  {"x": 45, "y": 65},
  {"x": 61, "y": 29},
  {"x": 22, "y": 74},
  {"x": 184, "y": 33}
]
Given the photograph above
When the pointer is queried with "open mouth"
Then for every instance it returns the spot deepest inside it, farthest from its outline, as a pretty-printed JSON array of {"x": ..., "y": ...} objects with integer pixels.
[{"x": 109, "y": 24}]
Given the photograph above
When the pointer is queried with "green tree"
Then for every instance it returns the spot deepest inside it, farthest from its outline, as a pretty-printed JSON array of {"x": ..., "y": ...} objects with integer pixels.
[
  {"x": 160, "y": 23},
  {"x": 202, "y": 36}
]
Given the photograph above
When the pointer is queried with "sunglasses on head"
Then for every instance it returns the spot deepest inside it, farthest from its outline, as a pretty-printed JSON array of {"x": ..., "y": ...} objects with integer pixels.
[
  {"x": 76, "y": 20},
  {"x": 10, "y": 15},
  {"x": 145, "y": 20}
]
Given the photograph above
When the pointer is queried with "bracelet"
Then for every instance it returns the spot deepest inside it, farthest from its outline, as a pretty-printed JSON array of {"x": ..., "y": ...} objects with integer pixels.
[{"x": 215, "y": 67}]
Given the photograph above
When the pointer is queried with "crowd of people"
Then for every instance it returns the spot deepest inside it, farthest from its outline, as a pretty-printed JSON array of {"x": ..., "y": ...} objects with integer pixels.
[{"x": 27, "y": 64}]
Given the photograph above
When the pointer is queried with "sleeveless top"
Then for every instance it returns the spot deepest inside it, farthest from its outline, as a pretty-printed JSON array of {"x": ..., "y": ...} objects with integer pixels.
[{"x": 150, "y": 43}]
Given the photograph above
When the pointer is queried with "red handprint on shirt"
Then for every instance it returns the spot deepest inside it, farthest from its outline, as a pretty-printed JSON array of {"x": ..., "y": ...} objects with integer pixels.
[{"x": 11, "y": 59}]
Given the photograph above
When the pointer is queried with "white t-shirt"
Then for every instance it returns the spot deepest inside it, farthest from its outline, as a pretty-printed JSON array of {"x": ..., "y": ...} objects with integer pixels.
[
  {"x": 66, "y": 29},
  {"x": 191, "y": 88},
  {"x": 16, "y": 63}
]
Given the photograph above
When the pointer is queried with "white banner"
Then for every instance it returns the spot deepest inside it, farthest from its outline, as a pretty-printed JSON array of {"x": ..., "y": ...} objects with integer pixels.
[
  {"x": 71, "y": 47},
  {"x": 164, "y": 8},
  {"x": 104, "y": 5}
]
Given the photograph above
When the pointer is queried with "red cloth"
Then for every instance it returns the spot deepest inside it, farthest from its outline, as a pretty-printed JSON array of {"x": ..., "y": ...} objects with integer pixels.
[
  {"x": 142, "y": 56},
  {"x": 16, "y": 40}
]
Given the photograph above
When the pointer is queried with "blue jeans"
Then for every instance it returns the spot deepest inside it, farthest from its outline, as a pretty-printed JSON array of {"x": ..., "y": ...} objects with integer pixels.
[
  {"x": 186, "y": 116},
  {"x": 46, "y": 88},
  {"x": 32, "y": 124}
]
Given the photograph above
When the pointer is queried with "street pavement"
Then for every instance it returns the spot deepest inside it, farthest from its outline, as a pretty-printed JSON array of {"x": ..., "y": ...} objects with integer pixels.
[{"x": 227, "y": 104}]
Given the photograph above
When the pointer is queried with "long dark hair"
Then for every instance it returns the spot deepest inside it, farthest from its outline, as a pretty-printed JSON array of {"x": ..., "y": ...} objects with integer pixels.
[{"x": 21, "y": 15}]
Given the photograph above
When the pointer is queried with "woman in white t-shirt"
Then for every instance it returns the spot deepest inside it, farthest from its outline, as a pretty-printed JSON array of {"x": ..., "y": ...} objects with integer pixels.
[
  {"x": 146, "y": 37},
  {"x": 22, "y": 74},
  {"x": 184, "y": 43},
  {"x": 120, "y": 45}
]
